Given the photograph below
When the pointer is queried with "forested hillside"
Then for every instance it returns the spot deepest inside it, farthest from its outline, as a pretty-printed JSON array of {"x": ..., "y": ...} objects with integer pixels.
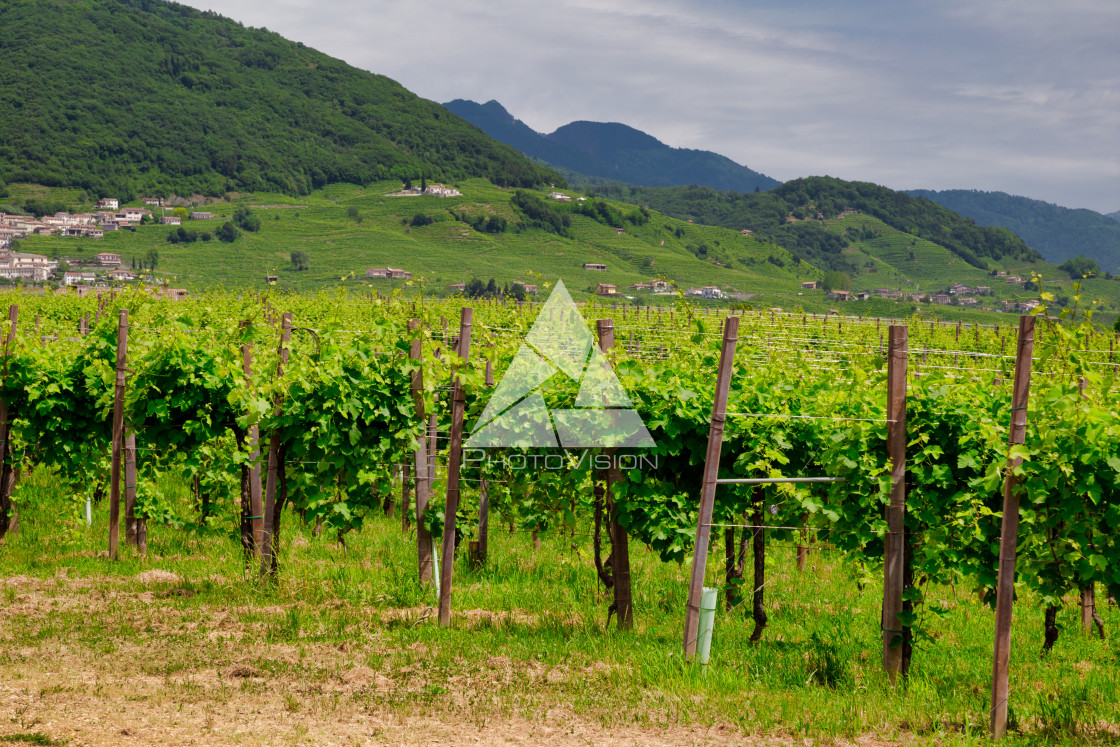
[
  {"x": 1059, "y": 233},
  {"x": 612, "y": 151},
  {"x": 788, "y": 215},
  {"x": 126, "y": 96}
]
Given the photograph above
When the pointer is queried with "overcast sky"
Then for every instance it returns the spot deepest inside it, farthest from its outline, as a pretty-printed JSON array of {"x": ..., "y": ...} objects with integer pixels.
[{"x": 1021, "y": 96}]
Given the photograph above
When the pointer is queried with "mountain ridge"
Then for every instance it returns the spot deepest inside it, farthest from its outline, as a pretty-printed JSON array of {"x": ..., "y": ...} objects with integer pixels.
[
  {"x": 118, "y": 96},
  {"x": 613, "y": 151},
  {"x": 1058, "y": 232}
]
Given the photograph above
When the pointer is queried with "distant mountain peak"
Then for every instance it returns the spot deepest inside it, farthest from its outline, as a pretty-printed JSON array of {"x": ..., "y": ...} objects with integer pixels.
[{"x": 613, "y": 151}]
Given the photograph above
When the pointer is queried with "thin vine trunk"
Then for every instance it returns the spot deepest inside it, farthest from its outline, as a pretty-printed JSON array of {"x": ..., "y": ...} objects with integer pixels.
[
  {"x": 758, "y": 545},
  {"x": 735, "y": 560},
  {"x": 1050, "y": 623}
]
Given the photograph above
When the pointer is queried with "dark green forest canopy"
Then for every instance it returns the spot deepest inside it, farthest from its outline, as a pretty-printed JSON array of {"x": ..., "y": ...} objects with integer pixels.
[
  {"x": 122, "y": 97},
  {"x": 767, "y": 213}
]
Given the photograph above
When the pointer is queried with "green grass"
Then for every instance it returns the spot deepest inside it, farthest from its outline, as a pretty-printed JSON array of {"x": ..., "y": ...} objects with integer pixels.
[{"x": 527, "y": 639}]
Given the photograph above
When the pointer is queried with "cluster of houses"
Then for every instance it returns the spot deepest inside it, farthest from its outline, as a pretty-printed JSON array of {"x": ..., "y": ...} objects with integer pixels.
[
  {"x": 434, "y": 190},
  {"x": 561, "y": 197},
  {"x": 109, "y": 217},
  {"x": 20, "y": 266},
  {"x": 387, "y": 272},
  {"x": 957, "y": 294}
]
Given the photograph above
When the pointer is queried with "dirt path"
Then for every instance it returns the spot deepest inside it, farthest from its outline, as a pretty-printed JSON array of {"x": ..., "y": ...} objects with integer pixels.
[{"x": 92, "y": 662}]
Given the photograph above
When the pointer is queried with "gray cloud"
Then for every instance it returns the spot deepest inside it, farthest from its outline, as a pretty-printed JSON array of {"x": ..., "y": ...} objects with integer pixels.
[{"x": 1015, "y": 95}]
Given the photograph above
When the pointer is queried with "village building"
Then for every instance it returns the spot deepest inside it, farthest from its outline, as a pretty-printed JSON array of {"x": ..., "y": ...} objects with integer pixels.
[
  {"x": 153, "y": 201},
  {"x": 134, "y": 214},
  {"x": 272, "y": 278},
  {"x": 17, "y": 265},
  {"x": 109, "y": 203},
  {"x": 202, "y": 216},
  {"x": 640, "y": 287},
  {"x": 107, "y": 259},
  {"x": 560, "y": 196},
  {"x": 594, "y": 266},
  {"x": 606, "y": 289},
  {"x": 121, "y": 275},
  {"x": 387, "y": 272},
  {"x": 863, "y": 295},
  {"x": 711, "y": 292},
  {"x": 660, "y": 286},
  {"x": 70, "y": 279},
  {"x": 439, "y": 190},
  {"x": 457, "y": 287},
  {"x": 171, "y": 220},
  {"x": 619, "y": 231},
  {"x": 839, "y": 295},
  {"x": 941, "y": 298},
  {"x": 528, "y": 287},
  {"x": 811, "y": 285}
]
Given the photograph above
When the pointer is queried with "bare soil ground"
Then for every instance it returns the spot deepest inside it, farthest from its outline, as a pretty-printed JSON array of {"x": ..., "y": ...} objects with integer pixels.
[{"x": 93, "y": 662}]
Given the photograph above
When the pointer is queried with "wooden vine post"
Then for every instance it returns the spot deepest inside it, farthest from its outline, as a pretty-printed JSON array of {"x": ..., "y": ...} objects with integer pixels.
[
  {"x": 620, "y": 542},
  {"x": 480, "y": 547},
  {"x": 275, "y": 457},
  {"x": 8, "y": 516},
  {"x": 894, "y": 562},
  {"x": 454, "y": 461},
  {"x": 118, "y": 436},
  {"x": 708, "y": 487},
  {"x": 1089, "y": 616},
  {"x": 420, "y": 461},
  {"x": 135, "y": 529},
  {"x": 1009, "y": 528},
  {"x": 252, "y": 506}
]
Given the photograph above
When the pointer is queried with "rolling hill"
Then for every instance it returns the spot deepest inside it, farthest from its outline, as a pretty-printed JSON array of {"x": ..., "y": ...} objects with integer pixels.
[
  {"x": 1058, "y": 233},
  {"x": 612, "y": 151},
  {"x": 121, "y": 97}
]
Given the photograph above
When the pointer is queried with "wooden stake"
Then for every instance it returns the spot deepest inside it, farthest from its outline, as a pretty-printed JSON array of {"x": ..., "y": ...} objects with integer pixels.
[
  {"x": 1009, "y": 528},
  {"x": 7, "y": 508},
  {"x": 454, "y": 460},
  {"x": 484, "y": 496},
  {"x": 118, "y": 436},
  {"x": 252, "y": 523},
  {"x": 1088, "y": 593},
  {"x": 620, "y": 542},
  {"x": 275, "y": 455},
  {"x": 708, "y": 487},
  {"x": 420, "y": 463},
  {"x": 890, "y": 623},
  {"x": 131, "y": 524}
]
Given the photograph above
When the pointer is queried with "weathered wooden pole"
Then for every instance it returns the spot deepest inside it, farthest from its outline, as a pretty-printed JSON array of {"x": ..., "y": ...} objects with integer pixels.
[
  {"x": 275, "y": 455},
  {"x": 131, "y": 524},
  {"x": 252, "y": 515},
  {"x": 420, "y": 461},
  {"x": 1009, "y": 528},
  {"x": 454, "y": 461},
  {"x": 118, "y": 436},
  {"x": 620, "y": 541},
  {"x": 894, "y": 564},
  {"x": 482, "y": 547},
  {"x": 708, "y": 487},
  {"x": 8, "y": 517}
]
